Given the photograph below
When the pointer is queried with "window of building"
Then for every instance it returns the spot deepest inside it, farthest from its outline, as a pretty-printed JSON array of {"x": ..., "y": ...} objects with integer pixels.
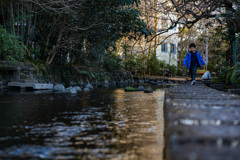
[
  {"x": 164, "y": 22},
  {"x": 173, "y": 48},
  {"x": 164, "y": 47},
  {"x": 175, "y": 28}
]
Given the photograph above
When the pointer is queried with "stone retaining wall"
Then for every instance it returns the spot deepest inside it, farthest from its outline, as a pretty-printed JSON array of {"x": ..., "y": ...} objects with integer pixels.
[{"x": 68, "y": 75}]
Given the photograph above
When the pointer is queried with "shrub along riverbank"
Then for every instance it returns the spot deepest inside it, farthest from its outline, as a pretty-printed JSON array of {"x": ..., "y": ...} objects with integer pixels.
[{"x": 230, "y": 76}]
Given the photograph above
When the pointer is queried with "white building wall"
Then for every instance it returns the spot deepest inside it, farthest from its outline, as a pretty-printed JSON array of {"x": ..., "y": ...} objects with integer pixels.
[
  {"x": 168, "y": 57},
  {"x": 165, "y": 56}
]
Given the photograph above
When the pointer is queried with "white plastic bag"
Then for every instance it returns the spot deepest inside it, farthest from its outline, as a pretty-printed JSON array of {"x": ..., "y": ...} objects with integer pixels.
[{"x": 206, "y": 75}]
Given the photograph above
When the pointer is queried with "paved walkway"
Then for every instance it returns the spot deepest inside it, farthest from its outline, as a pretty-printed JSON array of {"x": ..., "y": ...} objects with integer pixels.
[{"x": 201, "y": 123}]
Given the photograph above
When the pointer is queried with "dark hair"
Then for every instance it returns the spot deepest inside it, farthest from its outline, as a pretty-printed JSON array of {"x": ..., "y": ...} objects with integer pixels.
[{"x": 192, "y": 45}]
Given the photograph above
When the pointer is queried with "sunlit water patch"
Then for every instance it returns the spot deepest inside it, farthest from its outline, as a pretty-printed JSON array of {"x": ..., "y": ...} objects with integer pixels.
[{"x": 102, "y": 124}]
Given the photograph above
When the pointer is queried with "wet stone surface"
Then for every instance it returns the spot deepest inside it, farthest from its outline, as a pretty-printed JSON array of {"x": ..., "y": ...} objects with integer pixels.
[
  {"x": 99, "y": 124},
  {"x": 201, "y": 123}
]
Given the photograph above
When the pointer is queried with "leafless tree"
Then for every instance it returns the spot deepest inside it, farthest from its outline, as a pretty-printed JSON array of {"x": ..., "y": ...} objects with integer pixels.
[
  {"x": 190, "y": 12},
  {"x": 64, "y": 12}
]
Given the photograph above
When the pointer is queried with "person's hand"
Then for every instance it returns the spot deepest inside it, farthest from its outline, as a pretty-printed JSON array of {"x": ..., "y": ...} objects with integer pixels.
[{"x": 204, "y": 57}]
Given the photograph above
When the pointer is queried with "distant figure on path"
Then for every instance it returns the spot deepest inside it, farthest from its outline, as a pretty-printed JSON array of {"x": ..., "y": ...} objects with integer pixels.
[{"x": 193, "y": 60}]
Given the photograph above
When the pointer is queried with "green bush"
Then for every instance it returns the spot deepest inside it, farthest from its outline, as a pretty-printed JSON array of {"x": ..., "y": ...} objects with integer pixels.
[
  {"x": 215, "y": 80},
  {"x": 180, "y": 72},
  {"x": 235, "y": 77},
  {"x": 225, "y": 75},
  {"x": 155, "y": 65},
  {"x": 230, "y": 74},
  {"x": 213, "y": 67},
  {"x": 172, "y": 69},
  {"x": 141, "y": 66},
  {"x": 131, "y": 64},
  {"x": 129, "y": 89},
  {"x": 112, "y": 62},
  {"x": 11, "y": 49}
]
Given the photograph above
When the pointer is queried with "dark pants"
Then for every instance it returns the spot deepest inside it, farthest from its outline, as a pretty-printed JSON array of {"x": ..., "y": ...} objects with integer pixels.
[{"x": 193, "y": 70}]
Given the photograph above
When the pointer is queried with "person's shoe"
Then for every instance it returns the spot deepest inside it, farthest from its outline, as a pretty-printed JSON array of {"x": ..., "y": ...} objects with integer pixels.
[{"x": 193, "y": 82}]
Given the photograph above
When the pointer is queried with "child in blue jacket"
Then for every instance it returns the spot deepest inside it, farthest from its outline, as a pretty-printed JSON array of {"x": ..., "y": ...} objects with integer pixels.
[{"x": 193, "y": 60}]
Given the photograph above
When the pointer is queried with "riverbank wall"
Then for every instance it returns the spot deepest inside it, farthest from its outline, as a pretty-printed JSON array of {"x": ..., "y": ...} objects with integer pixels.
[{"x": 67, "y": 75}]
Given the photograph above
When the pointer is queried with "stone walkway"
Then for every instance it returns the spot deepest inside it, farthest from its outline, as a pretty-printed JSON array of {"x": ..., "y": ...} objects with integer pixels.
[{"x": 201, "y": 123}]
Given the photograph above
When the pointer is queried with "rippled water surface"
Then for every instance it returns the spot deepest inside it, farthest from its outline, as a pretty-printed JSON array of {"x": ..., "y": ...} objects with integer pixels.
[{"x": 101, "y": 124}]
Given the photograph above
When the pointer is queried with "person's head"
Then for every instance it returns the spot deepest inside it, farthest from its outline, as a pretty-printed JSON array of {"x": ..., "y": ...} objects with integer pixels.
[{"x": 192, "y": 47}]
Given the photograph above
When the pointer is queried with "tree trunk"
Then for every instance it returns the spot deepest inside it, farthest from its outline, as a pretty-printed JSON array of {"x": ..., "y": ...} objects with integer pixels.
[
  {"x": 34, "y": 27},
  {"x": 180, "y": 53},
  {"x": 143, "y": 73},
  {"x": 52, "y": 54},
  {"x": 3, "y": 15},
  {"x": 12, "y": 19},
  {"x": 125, "y": 52},
  {"x": 29, "y": 29},
  {"x": 170, "y": 56},
  {"x": 231, "y": 35},
  {"x": 22, "y": 26},
  {"x": 149, "y": 51},
  {"x": 18, "y": 19},
  {"x": 156, "y": 19},
  {"x": 132, "y": 53}
]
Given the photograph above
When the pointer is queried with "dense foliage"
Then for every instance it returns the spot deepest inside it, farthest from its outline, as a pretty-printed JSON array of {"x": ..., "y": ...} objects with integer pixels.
[
  {"x": 156, "y": 67},
  {"x": 80, "y": 32},
  {"x": 230, "y": 76},
  {"x": 11, "y": 48}
]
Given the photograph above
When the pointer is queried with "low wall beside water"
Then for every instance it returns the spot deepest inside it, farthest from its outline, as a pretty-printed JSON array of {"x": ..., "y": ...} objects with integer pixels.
[{"x": 68, "y": 75}]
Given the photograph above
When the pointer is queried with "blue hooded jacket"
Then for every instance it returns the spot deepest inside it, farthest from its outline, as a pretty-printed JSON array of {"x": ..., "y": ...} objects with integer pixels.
[{"x": 187, "y": 60}]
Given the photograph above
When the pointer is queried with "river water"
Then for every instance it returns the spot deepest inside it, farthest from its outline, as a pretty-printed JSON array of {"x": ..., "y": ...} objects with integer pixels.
[{"x": 100, "y": 124}]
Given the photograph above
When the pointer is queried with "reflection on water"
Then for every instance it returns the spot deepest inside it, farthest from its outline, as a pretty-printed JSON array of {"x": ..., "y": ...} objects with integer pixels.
[
  {"x": 102, "y": 124},
  {"x": 190, "y": 122}
]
